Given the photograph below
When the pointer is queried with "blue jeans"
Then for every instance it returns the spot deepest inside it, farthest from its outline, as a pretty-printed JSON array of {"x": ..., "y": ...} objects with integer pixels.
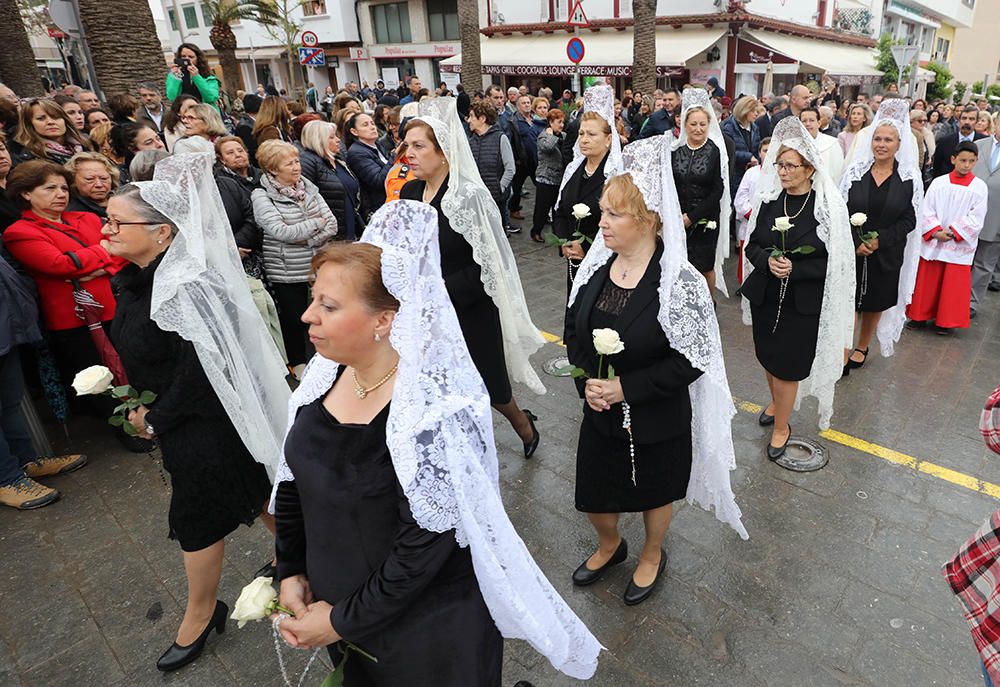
[
  {"x": 15, "y": 439},
  {"x": 986, "y": 676}
]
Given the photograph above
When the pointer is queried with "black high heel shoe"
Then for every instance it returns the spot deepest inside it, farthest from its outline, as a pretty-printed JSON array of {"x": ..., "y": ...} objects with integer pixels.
[
  {"x": 179, "y": 656},
  {"x": 530, "y": 446},
  {"x": 853, "y": 364},
  {"x": 774, "y": 453}
]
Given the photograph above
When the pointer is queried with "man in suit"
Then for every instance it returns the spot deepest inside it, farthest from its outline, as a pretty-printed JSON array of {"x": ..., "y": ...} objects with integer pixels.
[
  {"x": 988, "y": 251},
  {"x": 946, "y": 146},
  {"x": 766, "y": 122}
]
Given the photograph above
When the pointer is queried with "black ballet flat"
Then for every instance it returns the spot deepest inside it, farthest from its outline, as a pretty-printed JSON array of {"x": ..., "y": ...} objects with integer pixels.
[
  {"x": 765, "y": 420},
  {"x": 853, "y": 364},
  {"x": 916, "y": 324},
  {"x": 269, "y": 569},
  {"x": 774, "y": 453},
  {"x": 530, "y": 446},
  {"x": 584, "y": 576},
  {"x": 179, "y": 656},
  {"x": 846, "y": 372},
  {"x": 634, "y": 594}
]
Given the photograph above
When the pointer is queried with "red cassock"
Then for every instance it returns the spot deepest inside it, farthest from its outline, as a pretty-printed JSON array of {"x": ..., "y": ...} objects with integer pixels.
[{"x": 941, "y": 294}]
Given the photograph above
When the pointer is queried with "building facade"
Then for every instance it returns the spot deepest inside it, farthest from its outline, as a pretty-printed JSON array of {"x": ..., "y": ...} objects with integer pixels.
[
  {"x": 975, "y": 51},
  {"x": 929, "y": 24},
  {"x": 744, "y": 45},
  {"x": 260, "y": 53}
]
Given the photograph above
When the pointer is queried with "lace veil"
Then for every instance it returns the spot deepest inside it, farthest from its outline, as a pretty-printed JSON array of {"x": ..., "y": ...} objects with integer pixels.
[
  {"x": 698, "y": 98},
  {"x": 599, "y": 99},
  {"x": 440, "y": 438},
  {"x": 836, "y": 319},
  {"x": 200, "y": 291},
  {"x": 894, "y": 112},
  {"x": 472, "y": 212},
  {"x": 687, "y": 316}
]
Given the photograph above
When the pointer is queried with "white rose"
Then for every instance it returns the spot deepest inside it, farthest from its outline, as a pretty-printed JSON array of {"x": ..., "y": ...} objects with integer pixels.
[
  {"x": 255, "y": 601},
  {"x": 580, "y": 211},
  {"x": 783, "y": 224},
  {"x": 96, "y": 379},
  {"x": 607, "y": 342},
  {"x": 710, "y": 225},
  {"x": 858, "y": 219}
]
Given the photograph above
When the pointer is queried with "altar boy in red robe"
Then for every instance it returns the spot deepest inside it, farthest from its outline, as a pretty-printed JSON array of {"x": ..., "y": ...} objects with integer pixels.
[{"x": 951, "y": 218}]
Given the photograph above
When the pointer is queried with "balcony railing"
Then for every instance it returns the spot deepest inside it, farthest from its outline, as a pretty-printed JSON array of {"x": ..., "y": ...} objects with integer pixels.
[{"x": 858, "y": 20}]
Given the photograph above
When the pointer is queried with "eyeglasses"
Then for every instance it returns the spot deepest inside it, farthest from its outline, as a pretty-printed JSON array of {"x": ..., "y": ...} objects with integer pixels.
[
  {"x": 115, "y": 226},
  {"x": 786, "y": 166}
]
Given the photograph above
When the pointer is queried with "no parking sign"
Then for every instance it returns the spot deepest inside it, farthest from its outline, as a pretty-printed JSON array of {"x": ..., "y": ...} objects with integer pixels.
[{"x": 575, "y": 50}]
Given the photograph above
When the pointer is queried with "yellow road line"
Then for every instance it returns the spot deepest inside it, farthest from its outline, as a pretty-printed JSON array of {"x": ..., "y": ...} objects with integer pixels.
[{"x": 887, "y": 454}]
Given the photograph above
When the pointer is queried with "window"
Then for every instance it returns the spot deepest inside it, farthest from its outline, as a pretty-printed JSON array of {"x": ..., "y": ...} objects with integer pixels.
[
  {"x": 392, "y": 23},
  {"x": 190, "y": 16},
  {"x": 173, "y": 20},
  {"x": 941, "y": 53},
  {"x": 442, "y": 16},
  {"x": 314, "y": 8}
]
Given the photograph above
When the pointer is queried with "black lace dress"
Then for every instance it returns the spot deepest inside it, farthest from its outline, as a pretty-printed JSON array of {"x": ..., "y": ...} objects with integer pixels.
[
  {"x": 216, "y": 484},
  {"x": 407, "y": 596},
  {"x": 698, "y": 177}
]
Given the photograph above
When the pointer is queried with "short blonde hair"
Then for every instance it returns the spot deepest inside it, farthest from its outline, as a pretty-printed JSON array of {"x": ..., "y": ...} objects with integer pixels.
[
  {"x": 315, "y": 134},
  {"x": 744, "y": 108},
  {"x": 79, "y": 158},
  {"x": 538, "y": 101},
  {"x": 211, "y": 117},
  {"x": 272, "y": 152},
  {"x": 989, "y": 120},
  {"x": 621, "y": 193}
]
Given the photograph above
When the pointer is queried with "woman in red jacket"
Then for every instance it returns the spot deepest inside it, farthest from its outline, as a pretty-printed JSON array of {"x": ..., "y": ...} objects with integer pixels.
[{"x": 57, "y": 248}]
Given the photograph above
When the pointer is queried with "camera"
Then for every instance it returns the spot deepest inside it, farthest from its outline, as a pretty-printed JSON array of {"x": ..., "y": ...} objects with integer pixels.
[{"x": 182, "y": 62}]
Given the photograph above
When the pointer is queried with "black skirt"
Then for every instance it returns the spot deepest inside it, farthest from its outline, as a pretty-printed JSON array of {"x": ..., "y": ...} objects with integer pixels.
[
  {"x": 881, "y": 287},
  {"x": 701, "y": 245},
  {"x": 604, "y": 472},
  {"x": 788, "y": 353},
  {"x": 215, "y": 488}
]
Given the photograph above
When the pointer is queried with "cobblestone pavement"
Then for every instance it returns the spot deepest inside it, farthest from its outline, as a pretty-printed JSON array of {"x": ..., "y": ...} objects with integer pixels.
[{"x": 839, "y": 583}]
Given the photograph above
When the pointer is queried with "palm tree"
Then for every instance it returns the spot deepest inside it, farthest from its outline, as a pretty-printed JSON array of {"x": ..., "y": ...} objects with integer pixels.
[
  {"x": 17, "y": 59},
  {"x": 644, "y": 45},
  {"x": 123, "y": 43},
  {"x": 468, "y": 22},
  {"x": 220, "y": 14}
]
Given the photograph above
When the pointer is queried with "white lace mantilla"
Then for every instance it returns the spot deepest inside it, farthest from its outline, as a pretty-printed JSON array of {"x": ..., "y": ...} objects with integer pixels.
[
  {"x": 599, "y": 99},
  {"x": 687, "y": 317},
  {"x": 473, "y": 213},
  {"x": 440, "y": 437},
  {"x": 836, "y": 318},
  {"x": 894, "y": 113},
  {"x": 697, "y": 98}
]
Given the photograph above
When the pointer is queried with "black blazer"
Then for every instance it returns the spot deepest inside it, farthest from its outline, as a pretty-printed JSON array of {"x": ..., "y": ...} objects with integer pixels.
[
  {"x": 805, "y": 284},
  {"x": 892, "y": 233},
  {"x": 580, "y": 190},
  {"x": 945, "y": 149},
  {"x": 654, "y": 376}
]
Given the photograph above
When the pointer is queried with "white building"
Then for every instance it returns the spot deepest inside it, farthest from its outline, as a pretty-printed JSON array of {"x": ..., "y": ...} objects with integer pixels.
[
  {"x": 262, "y": 55},
  {"x": 803, "y": 40}
]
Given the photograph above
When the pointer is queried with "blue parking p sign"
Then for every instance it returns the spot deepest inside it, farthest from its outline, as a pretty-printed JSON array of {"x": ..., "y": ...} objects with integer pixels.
[{"x": 312, "y": 57}]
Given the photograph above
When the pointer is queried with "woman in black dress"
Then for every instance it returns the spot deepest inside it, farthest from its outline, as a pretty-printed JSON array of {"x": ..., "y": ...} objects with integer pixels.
[
  {"x": 358, "y": 560},
  {"x": 583, "y": 186},
  {"x": 216, "y": 485},
  {"x": 636, "y": 444},
  {"x": 478, "y": 313},
  {"x": 698, "y": 170},
  {"x": 886, "y": 200},
  {"x": 788, "y": 294}
]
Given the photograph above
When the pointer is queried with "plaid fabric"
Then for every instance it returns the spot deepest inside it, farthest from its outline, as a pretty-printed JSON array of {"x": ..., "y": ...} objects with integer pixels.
[
  {"x": 989, "y": 423},
  {"x": 974, "y": 575}
]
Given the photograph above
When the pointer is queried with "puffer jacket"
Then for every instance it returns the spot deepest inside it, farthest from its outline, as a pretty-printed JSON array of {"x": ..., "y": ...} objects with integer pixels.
[
  {"x": 319, "y": 171},
  {"x": 550, "y": 162},
  {"x": 292, "y": 230}
]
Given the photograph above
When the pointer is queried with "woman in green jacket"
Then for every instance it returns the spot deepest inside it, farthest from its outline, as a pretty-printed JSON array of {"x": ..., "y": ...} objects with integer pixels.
[{"x": 191, "y": 74}]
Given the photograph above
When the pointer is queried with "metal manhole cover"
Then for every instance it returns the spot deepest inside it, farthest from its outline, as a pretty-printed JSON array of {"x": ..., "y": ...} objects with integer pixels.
[
  {"x": 804, "y": 455},
  {"x": 556, "y": 366}
]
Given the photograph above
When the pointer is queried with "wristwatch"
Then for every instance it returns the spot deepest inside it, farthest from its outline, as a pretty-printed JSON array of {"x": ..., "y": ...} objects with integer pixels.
[{"x": 149, "y": 428}]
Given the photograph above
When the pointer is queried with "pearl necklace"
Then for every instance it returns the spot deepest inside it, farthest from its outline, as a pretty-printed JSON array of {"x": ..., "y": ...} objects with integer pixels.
[
  {"x": 362, "y": 392},
  {"x": 693, "y": 148},
  {"x": 806, "y": 202}
]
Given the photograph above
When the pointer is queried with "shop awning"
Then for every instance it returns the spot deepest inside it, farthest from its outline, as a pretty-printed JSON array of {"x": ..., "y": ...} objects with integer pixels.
[
  {"x": 606, "y": 53},
  {"x": 843, "y": 63},
  {"x": 260, "y": 53}
]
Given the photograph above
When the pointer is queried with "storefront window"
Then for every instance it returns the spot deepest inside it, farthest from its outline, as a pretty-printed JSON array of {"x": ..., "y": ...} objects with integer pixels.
[
  {"x": 404, "y": 70},
  {"x": 442, "y": 15},
  {"x": 392, "y": 23}
]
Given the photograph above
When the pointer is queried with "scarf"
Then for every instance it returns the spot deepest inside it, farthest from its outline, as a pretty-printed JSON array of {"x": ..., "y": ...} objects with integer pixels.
[
  {"x": 59, "y": 150},
  {"x": 296, "y": 193}
]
